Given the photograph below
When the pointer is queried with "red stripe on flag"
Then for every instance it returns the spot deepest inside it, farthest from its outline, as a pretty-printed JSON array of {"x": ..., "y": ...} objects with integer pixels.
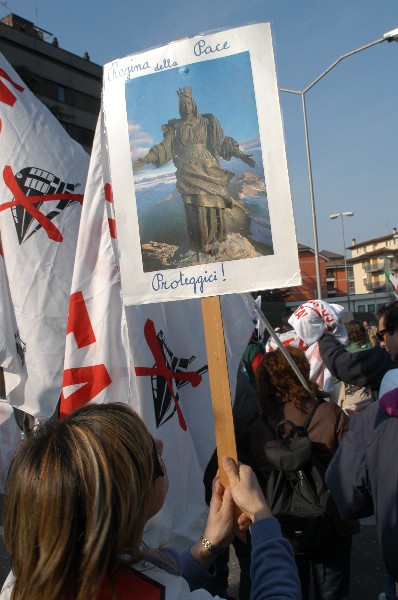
[
  {"x": 94, "y": 379},
  {"x": 6, "y": 95},
  {"x": 108, "y": 192},
  {"x": 112, "y": 228},
  {"x": 79, "y": 321}
]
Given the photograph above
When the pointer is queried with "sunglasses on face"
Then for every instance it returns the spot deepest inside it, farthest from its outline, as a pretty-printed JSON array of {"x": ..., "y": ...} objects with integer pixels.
[
  {"x": 380, "y": 334},
  {"x": 156, "y": 459}
]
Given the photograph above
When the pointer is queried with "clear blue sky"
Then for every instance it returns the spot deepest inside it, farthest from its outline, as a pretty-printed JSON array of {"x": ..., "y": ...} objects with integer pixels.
[{"x": 352, "y": 113}]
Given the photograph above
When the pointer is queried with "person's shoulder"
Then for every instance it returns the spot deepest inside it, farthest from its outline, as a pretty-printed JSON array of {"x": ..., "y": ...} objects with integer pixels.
[
  {"x": 327, "y": 407},
  {"x": 330, "y": 411},
  {"x": 7, "y": 588},
  {"x": 389, "y": 382},
  {"x": 172, "y": 584},
  {"x": 367, "y": 419}
]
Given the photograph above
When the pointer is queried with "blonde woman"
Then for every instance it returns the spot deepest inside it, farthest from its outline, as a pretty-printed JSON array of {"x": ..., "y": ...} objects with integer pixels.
[{"x": 78, "y": 495}]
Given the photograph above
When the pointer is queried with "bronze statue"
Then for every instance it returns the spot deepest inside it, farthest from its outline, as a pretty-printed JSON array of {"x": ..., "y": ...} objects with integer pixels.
[{"x": 196, "y": 143}]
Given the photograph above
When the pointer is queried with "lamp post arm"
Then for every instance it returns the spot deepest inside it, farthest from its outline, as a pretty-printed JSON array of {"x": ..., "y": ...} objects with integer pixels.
[{"x": 336, "y": 62}]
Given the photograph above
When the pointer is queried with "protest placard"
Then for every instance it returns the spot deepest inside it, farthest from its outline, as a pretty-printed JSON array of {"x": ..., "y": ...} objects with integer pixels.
[{"x": 198, "y": 168}]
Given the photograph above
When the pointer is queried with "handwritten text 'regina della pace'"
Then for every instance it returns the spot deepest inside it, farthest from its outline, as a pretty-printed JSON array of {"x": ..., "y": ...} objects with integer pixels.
[{"x": 123, "y": 71}]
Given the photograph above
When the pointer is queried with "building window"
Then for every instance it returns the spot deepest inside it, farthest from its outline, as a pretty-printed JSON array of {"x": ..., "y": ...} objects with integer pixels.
[
  {"x": 61, "y": 93},
  {"x": 85, "y": 137},
  {"x": 371, "y": 308},
  {"x": 361, "y": 308}
]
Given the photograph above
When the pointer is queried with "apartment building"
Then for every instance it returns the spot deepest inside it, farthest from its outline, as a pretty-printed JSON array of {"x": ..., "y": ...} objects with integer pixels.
[
  {"x": 69, "y": 85},
  {"x": 339, "y": 275},
  {"x": 371, "y": 259}
]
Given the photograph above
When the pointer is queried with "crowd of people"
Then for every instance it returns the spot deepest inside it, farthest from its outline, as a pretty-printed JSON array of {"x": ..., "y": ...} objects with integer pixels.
[{"x": 79, "y": 491}]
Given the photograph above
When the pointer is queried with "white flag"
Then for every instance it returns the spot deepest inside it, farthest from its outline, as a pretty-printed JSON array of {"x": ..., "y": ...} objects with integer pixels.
[
  {"x": 10, "y": 436},
  {"x": 9, "y": 359},
  {"x": 96, "y": 355},
  {"x": 42, "y": 177},
  {"x": 173, "y": 397}
]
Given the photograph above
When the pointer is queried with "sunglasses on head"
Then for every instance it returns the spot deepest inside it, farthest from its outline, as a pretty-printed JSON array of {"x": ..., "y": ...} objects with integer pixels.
[{"x": 157, "y": 467}]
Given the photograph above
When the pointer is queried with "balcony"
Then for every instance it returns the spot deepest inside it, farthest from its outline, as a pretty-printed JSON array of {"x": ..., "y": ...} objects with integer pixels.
[
  {"x": 391, "y": 265},
  {"x": 375, "y": 286},
  {"x": 374, "y": 267}
]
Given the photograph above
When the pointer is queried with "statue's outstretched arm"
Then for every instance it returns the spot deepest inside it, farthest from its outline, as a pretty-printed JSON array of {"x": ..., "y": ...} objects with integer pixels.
[
  {"x": 230, "y": 148},
  {"x": 247, "y": 158},
  {"x": 159, "y": 154},
  {"x": 140, "y": 162}
]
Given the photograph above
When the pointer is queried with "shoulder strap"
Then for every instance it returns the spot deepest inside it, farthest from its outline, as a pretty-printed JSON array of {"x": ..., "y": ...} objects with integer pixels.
[
  {"x": 308, "y": 420},
  {"x": 300, "y": 430}
]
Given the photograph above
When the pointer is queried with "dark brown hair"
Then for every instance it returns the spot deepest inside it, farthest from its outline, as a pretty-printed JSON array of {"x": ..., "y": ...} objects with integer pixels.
[
  {"x": 389, "y": 312},
  {"x": 277, "y": 383},
  {"x": 357, "y": 333}
]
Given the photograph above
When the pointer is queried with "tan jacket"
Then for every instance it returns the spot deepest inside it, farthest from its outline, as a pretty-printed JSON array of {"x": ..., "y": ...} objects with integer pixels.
[{"x": 326, "y": 430}]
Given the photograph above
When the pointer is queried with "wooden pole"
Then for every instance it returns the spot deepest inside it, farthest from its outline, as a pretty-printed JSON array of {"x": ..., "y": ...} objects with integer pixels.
[{"x": 219, "y": 381}]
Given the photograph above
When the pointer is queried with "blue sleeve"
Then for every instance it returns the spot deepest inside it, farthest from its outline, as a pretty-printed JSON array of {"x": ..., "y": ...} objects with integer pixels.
[
  {"x": 273, "y": 569},
  {"x": 347, "y": 476},
  {"x": 196, "y": 576}
]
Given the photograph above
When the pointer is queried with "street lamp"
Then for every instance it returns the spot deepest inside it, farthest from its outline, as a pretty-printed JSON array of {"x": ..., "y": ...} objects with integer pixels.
[
  {"x": 390, "y": 36},
  {"x": 342, "y": 215}
]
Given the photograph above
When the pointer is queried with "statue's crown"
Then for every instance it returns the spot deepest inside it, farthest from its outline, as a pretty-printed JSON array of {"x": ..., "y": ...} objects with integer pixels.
[{"x": 185, "y": 91}]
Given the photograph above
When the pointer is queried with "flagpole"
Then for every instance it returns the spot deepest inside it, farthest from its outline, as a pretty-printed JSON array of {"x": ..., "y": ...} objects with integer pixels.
[{"x": 285, "y": 353}]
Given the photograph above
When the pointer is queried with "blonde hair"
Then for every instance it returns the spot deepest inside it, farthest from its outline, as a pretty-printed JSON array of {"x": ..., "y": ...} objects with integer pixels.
[{"x": 77, "y": 498}]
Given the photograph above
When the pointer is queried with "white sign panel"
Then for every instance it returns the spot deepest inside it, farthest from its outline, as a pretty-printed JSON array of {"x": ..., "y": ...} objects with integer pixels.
[{"x": 198, "y": 168}]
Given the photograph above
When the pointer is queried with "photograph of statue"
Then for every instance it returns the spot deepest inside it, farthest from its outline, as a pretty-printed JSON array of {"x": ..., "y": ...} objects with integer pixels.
[{"x": 200, "y": 193}]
